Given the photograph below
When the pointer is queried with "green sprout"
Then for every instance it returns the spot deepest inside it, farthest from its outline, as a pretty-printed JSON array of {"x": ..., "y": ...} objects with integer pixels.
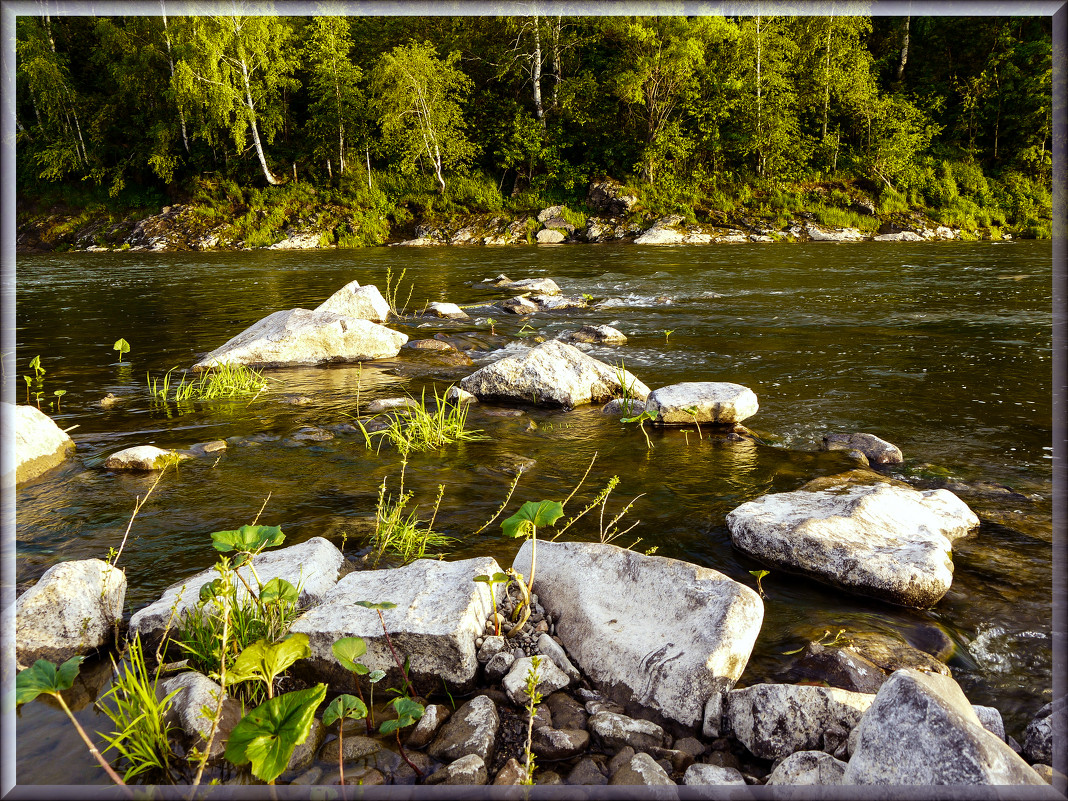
[
  {"x": 122, "y": 346},
  {"x": 759, "y": 574}
]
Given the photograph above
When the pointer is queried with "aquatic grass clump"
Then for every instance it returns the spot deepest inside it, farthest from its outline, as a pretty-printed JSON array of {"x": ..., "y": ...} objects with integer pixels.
[
  {"x": 218, "y": 382},
  {"x": 401, "y": 532},
  {"x": 419, "y": 429}
]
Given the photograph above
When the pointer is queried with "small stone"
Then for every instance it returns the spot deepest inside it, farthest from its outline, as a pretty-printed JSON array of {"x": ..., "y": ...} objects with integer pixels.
[
  {"x": 692, "y": 746},
  {"x": 567, "y": 712},
  {"x": 356, "y": 747},
  {"x": 586, "y": 773},
  {"x": 304, "y": 754},
  {"x": 545, "y": 778},
  {"x": 622, "y": 757},
  {"x": 427, "y": 726},
  {"x": 498, "y": 666},
  {"x": 479, "y": 641},
  {"x": 490, "y": 647},
  {"x": 510, "y": 773},
  {"x": 311, "y": 777},
  {"x": 701, "y": 774},
  {"x": 550, "y": 679},
  {"x": 641, "y": 770},
  {"x": 616, "y": 731},
  {"x": 549, "y": 743},
  {"x": 472, "y": 729},
  {"x": 368, "y": 777},
  {"x": 469, "y": 770},
  {"x": 541, "y": 628},
  {"x": 403, "y": 773}
]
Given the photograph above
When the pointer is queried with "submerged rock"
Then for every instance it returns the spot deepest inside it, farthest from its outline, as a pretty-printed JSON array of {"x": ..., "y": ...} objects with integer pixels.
[
  {"x": 40, "y": 445},
  {"x": 71, "y": 610},
  {"x": 877, "y": 451},
  {"x": 600, "y": 596},
  {"x": 883, "y": 541},
  {"x": 299, "y": 336},
  {"x": 594, "y": 335},
  {"x": 358, "y": 302},
  {"x": 720, "y": 403},
  {"x": 552, "y": 374}
]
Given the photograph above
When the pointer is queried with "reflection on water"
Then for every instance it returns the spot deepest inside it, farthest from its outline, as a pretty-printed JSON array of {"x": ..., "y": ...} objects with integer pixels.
[{"x": 925, "y": 346}]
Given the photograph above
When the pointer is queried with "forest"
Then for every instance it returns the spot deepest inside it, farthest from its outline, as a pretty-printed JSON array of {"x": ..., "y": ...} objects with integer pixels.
[{"x": 393, "y": 120}]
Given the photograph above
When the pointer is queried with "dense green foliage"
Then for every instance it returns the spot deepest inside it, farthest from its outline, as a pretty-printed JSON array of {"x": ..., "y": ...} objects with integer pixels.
[{"x": 408, "y": 117}]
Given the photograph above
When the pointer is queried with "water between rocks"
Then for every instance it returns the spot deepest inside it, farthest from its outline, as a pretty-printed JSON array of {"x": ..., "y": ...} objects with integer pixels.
[{"x": 942, "y": 349}]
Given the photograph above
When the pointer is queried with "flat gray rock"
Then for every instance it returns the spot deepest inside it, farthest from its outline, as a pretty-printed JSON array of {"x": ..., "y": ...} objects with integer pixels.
[
  {"x": 601, "y": 597},
  {"x": 713, "y": 402},
  {"x": 302, "y": 337},
  {"x": 921, "y": 729},
  {"x": 449, "y": 311},
  {"x": 439, "y": 612},
  {"x": 552, "y": 374},
  {"x": 594, "y": 335},
  {"x": 699, "y": 774},
  {"x": 541, "y": 286},
  {"x": 358, "y": 302},
  {"x": 40, "y": 445},
  {"x": 468, "y": 770},
  {"x": 550, "y": 679},
  {"x": 472, "y": 729},
  {"x": 641, "y": 770},
  {"x": 883, "y": 541},
  {"x": 618, "y": 731},
  {"x": 875, "y": 450}
]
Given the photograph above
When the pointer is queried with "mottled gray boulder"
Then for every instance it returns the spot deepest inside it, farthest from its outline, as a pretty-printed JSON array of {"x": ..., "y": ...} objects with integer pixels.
[
  {"x": 775, "y": 720},
  {"x": 467, "y": 770},
  {"x": 550, "y": 679},
  {"x": 877, "y": 451},
  {"x": 143, "y": 457},
  {"x": 617, "y": 731},
  {"x": 1038, "y": 737},
  {"x": 541, "y": 286},
  {"x": 920, "y": 729},
  {"x": 195, "y": 694},
  {"x": 353, "y": 746},
  {"x": 610, "y": 197},
  {"x": 991, "y": 720},
  {"x": 499, "y": 665},
  {"x": 472, "y": 729},
  {"x": 558, "y": 302},
  {"x": 553, "y": 650},
  {"x": 311, "y": 566},
  {"x": 883, "y": 541},
  {"x": 299, "y": 336},
  {"x": 713, "y": 402},
  {"x": 550, "y": 236},
  {"x": 458, "y": 396},
  {"x": 600, "y": 596},
  {"x": 817, "y": 234},
  {"x": 551, "y": 374},
  {"x": 449, "y": 311},
  {"x": 699, "y": 774},
  {"x": 618, "y": 408},
  {"x": 808, "y": 767},
  {"x": 71, "y": 610},
  {"x": 642, "y": 769},
  {"x": 519, "y": 305},
  {"x": 549, "y": 743},
  {"x": 358, "y": 302},
  {"x": 545, "y": 215},
  {"x": 439, "y": 613},
  {"x": 40, "y": 445},
  {"x": 594, "y": 335}
]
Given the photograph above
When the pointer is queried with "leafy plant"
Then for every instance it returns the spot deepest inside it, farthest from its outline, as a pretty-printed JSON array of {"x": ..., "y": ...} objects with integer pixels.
[
  {"x": 640, "y": 420},
  {"x": 392, "y": 290},
  {"x": 408, "y": 712},
  {"x": 59, "y": 393},
  {"x": 627, "y": 399},
  {"x": 416, "y": 428},
  {"x": 692, "y": 411},
  {"x": 401, "y": 533},
  {"x": 496, "y": 578},
  {"x": 667, "y": 333},
  {"x": 347, "y": 650},
  {"x": 265, "y": 661},
  {"x": 759, "y": 574},
  {"x": 218, "y": 382},
  {"x": 837, "y": 640},
  {"x": 141, "y": 733},
  {"x": 267, "y": 736},
  {"x": 533, "y": 699},
  {"x": 344, "y": 707},
  {"x": 122, "y": 346},
  {"x": 531, "y": 516},
  {"x": 43, "y": 678},
  {"x": 492, "y": 324}
]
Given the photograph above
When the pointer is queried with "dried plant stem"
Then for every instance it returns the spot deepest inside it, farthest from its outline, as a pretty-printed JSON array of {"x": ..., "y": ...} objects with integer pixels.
[
  {"x": 85, "y": 737},
  {"x": 137, "y": 508}
]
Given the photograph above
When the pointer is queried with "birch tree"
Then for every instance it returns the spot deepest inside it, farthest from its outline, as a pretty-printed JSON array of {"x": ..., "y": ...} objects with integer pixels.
[{"x": 334, "y": 85}]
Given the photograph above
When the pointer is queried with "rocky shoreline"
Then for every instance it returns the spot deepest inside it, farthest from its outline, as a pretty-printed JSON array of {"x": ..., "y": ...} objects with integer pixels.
[{"x": 625, "y": 700}]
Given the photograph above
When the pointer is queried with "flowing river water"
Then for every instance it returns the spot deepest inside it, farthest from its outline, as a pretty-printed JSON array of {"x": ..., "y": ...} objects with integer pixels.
[{"x": 943, "y": 349}]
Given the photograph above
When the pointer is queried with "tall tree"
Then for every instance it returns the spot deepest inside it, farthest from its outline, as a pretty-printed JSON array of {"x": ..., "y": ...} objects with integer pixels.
[{"x": 334, "y": 85}]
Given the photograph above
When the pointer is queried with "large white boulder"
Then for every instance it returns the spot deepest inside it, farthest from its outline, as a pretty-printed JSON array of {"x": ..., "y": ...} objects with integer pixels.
[
  {"x": 921, "y": 729},
  {"x": 71, "y": 610},
  {"x": 671, "y": 661},
  {"x": 311, "y": 566},
  {"x": 358, "y": 302},
  {"x": 718, "y": 402},
  {"x": 440, "y": 610},
  {"x": 776, "y": 720},
  {"x": 299, "y": 336},
  {"x": 888, "y": 542},
  {"x": 39, "y": 443},
  {"x": 552, "y": 374}
]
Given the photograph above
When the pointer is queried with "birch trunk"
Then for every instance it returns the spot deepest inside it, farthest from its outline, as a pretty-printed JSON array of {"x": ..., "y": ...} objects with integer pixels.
[{"x": 535, "y": 74}]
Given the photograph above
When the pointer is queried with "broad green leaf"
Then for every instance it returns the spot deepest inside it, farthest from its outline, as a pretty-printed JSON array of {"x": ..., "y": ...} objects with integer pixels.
[
  {"x": 278, "y": 589},
  {"x": 376, "y": 676},
  {"x": 408, "y": 712},
  {"x": 495, "y": 578},
  {"x": 532, "y": 514},
  {"x": 344, "y": 707},
  {"x": 348, "y": 650},
  {"x": 42, "y": 677},
  {"x": 268, "y": 734},
  {"x": 247, "y": 538},
  {"x": 638, "y": 418},
  {"x": 264, "y": 661},
  {"x": 379, "y": 605},
  {"x": 122, "y": 346}
]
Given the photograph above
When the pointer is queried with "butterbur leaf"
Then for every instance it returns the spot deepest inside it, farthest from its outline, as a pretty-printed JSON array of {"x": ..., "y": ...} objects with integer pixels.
[
  {"x": 43, "y": 677},
  {"x": 408, "y": 712},
  {"x": 379, "y": 605},
  {"x": 268, "y": 735},
  {"x": 278, "y": 589},
  {"x": 483, "y": 578},
  {"x": 239, "y": 560},
  {"x": 376, "y": 676},
  {"x": 344, "y": 707},
  {"x": 264, "y": 661},
  {"x": 247, "y": 538},
  {"x": 532, "y": 514},
  {"x": 348, "y": 650}
]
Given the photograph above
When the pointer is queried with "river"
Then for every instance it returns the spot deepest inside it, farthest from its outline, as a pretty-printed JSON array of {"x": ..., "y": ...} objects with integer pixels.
[{"x": 941, "y": 348}]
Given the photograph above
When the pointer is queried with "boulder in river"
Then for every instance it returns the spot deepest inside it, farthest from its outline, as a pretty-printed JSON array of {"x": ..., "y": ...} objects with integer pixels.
[
  {"x": 600, "y": 597},
  {"x": 39, "y": 443},
  {"x": 594, "y": 335},
  {"x": 358, "y": 302},
  {"x": 540, "y": 286},
  {"x": 715, "y": 402},
  {"x": 877, "y": 451},
  {"x": 880, "y": 540},
  {"x": 552, "y": 374},
  {"x": 143, "y": 457},
  {"x": 71, "y": 610},
  {"x": 439, "y": 612},
  {"x": 302, "y": 337},
  {"x": 921, "y": 729},
  {"x": 449, "y": 311}
]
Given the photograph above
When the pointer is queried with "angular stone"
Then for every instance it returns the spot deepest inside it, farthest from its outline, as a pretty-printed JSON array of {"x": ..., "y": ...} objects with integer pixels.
[
  {"x": 877, "y": 451},
  {"x": 356, "y": 747},
  {"x": 195, "y": 693},
  {"x": 40, "y": 445},
  {"x": 448, "y": 311},
  {"x": 883, "y": 541},
  {"x": 566, "y": 711},
  {"x": 775, "y": 720},
  {"x": 702, "y": 774},
  {"x": 553, "y": 650},
  {"x": 808, "y": 767},
  {"x": 468, "y": 770},
  {"x": 310, "y": 566},
  {"x": 510, "y": 773},
  {"x": 991, "y": 720},
  {"x": 519, "y": 306},
  {"x": 71, "y": 610},
  {"x": 617, "y": 407},
  {"x": 921, "y": 729},
  {"x": 714, "y": 402},
  {"x": 434, "y": 715},
  {"x": 550, "y": 679},
  {"x": 839, "y": 667},
  {"x": 357, "y": 302},
  {"x": 490, "y": 647},
  {"x": 439, "y": 612},
  {"x": 389, "y": 404},
  {"x": 558, "y": 302},
  {"x": 600, "y": 596},
  {"x": 499, "y": 665},
  {"x": 472, "y": 729},
  {"x": 551, "y": 374},
  {"x": 891, "y": 654},
  {"x": 142, "y": 457},
  {"x": 642, "y": 770},
  {"x": 299, "y": 336},
  {"x": 542, "y": 286},
  {"x": 616, "y": 731},
  {"x": 304, "y": 754},
  {"x": 549, "y": 743},
  {"x": 1038, "y": 737},
  {"x": 586, "y": 774},
  {"x": 594, "y": 335},
  {"x": 548, "y": 214},
  {"x": 458, "y": 396}
]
